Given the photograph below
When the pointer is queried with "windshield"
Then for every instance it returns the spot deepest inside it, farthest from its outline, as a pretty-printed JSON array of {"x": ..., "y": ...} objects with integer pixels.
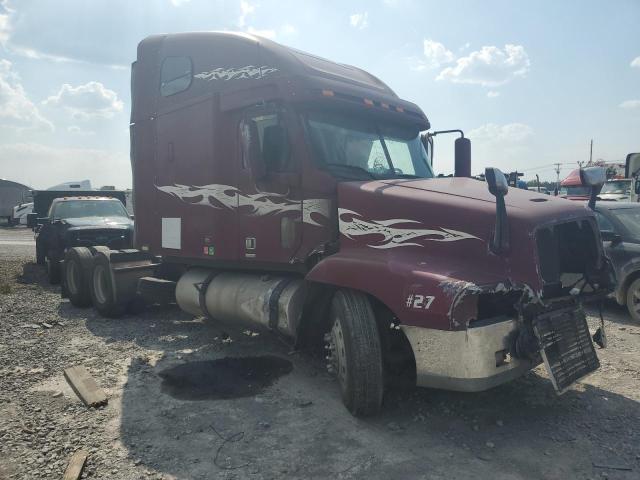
[
  {"x": 89, "y": 208},
  {"x": 576, "y": 190},
  {"x": 630, "y": 218},
  {"x": 358, "y": 147},
  {"x": 616, "y": 187}
]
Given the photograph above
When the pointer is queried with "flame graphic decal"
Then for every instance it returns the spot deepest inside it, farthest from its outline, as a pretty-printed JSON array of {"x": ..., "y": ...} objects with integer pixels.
[
  {"x": 260, "y": 204},
  {"x": 240, "y": 73},
  {"x": 353, "y": 225}
]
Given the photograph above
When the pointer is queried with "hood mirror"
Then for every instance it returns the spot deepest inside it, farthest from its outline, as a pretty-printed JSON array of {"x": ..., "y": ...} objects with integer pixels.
[
  {"x": 496, "y": 181},
  {"x": 594, "y": 178},
  {"x": 498, "y": 186}
]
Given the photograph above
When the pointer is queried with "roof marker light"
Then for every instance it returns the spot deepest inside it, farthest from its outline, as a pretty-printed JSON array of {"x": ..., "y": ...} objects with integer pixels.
[
  {"x": 399, "y": 109},
  {"x": 384, "y": 105},
  {"x": 328, "y": 93},
  {"x": 368, "y": 102}
]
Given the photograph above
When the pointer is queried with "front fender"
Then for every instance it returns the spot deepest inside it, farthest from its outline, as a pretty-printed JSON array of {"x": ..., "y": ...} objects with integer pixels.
[
  {"x": 419, "y": 293},
  {"x": 626, "y": 274}
]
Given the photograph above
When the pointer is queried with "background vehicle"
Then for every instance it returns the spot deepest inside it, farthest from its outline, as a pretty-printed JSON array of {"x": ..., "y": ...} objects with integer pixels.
[
  {"x": 78, "y": 221},
  {"x": 618, "y": 190},
  {"x": 620, "y": 230},
  {"x": 11, "y": 194},
  {"x": 572, "y": 188},
  {"x": 25, "y": 207},
  {"x": 632, "y": 171},
  {"x": 286, "y": 192}
]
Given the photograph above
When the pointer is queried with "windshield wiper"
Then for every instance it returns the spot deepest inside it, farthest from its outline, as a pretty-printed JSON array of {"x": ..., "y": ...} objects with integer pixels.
[{"x": 353, "y": 168}]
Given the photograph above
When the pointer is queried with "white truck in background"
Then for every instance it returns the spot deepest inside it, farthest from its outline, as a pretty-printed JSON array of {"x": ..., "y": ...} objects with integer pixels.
[{"x": 25, "y": 207}]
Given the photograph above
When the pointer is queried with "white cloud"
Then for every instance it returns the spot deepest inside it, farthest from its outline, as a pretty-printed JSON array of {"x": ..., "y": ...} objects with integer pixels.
[
  {"x": 359, "y": 20},
  {"x": 630, "y": 104},
  {"x": 267, "y": 33},
  {"x": 5, "y": 28},
  {"x": 17, "y": 111},
  {"x": 5, "y": 21},
  {"x": 635, "y": 63},
  {"x": 503, "y": 146},
  {"x": 91, "y": 100},
  {"x": 437, "y": 54},
  {"x": 42, "y": 166},
  {"x": 490, "y": 66},
  {"x": 509, "y": 133},
  {"x": 246, "y": 9},
  {"x": 76, "y": 130},
  {"x": 493, "y": 94},
  {"x": 288, "y": 29}
]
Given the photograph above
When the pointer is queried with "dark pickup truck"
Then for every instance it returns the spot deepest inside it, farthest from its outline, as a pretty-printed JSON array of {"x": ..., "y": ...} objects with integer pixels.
[{"x": 79, "y": 221}]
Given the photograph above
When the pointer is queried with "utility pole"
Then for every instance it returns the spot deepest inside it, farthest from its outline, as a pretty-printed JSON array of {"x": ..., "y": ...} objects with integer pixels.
[
  {"x": 557, "y": 177},
  {"x": 591, "y": 152}
]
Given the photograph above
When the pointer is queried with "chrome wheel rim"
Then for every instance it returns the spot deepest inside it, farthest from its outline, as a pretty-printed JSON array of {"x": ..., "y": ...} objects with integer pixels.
[
  {"x": 635, "y": 299},
  {"x": 100, "y": 284},
  {"x": 337, "y": 355}
]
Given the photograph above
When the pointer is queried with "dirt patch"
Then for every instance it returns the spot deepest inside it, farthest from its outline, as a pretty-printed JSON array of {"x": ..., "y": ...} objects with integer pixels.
[
  {"x": 294, "y": 425},
  {"x": 229, "y": 377}
]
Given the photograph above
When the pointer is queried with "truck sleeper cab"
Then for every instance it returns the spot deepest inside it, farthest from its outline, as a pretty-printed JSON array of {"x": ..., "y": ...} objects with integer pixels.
[{"x": 279, "y": 190}]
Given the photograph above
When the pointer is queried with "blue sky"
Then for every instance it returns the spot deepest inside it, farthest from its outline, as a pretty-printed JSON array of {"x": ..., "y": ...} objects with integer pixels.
[{"x": 529, "y": 82}]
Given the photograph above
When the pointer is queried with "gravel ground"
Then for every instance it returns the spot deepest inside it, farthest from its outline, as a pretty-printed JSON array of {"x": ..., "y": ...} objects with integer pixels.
[{"x": 179, "y": 408}]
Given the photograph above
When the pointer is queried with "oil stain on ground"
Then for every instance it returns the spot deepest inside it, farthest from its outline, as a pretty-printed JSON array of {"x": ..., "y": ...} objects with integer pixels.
[{"x": 229, "y": 377}]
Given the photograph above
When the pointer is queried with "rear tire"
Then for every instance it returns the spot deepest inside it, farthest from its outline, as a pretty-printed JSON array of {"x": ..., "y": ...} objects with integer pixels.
[
  {"x": 633, "y": 300},
  {"x": 356, "y": 352},
  {"x": 78, "y": 264},
  {"x": 103, "y": 289},
  {"x": 53, "y": 269}
]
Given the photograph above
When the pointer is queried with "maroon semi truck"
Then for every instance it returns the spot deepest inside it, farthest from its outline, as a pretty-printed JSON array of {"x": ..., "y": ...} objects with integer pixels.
[{"x": 283, "y": 191}]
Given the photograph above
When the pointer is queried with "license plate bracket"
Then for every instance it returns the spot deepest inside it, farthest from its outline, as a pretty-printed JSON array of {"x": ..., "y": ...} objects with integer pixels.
[{"x": 566, "y": 346}]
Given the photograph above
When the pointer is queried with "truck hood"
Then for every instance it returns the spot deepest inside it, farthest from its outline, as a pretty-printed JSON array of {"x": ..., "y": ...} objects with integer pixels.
[
  {"x": 520, "y": 203},
  {"x": 101, "y": 222},
  {"x": 448, "y": 224}
]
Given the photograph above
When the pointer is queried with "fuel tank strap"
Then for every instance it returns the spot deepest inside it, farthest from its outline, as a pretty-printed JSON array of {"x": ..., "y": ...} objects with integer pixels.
[
  {"x": 202, "y": 292},
  {"x": 273, "y": 301}
]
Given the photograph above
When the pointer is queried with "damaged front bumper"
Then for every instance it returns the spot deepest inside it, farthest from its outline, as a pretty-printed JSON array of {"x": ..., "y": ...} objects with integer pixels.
[
  {"x": 468, "y": 360},
  {"x": 480, "y": 357}
]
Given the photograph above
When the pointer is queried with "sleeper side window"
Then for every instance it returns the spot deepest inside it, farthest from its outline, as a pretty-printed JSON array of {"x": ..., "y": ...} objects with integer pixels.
[
  {"x": 175, "y": 75},
  {"x": 265, "y": 141}
]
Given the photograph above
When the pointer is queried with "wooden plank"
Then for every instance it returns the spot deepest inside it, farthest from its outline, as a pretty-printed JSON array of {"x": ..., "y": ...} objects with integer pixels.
[
  {"x": 76, "y": 464},
  {"x": 85, "y": 386}
]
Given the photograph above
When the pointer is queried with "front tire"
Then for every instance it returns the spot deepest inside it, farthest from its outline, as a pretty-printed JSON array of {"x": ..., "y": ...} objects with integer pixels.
[
  {"x": 633, "y": 300},
  {"x": 78, "y": 262},
  {"x": 355, "y": 352},
  {"x": 103, "y": 290}
]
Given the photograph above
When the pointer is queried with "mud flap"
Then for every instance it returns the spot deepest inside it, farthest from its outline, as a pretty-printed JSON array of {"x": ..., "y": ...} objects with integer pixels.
[{"x": 566, "y": 346}]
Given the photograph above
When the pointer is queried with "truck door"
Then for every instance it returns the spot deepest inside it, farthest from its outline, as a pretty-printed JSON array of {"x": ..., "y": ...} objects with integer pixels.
[{"x": 269, "y": 196}]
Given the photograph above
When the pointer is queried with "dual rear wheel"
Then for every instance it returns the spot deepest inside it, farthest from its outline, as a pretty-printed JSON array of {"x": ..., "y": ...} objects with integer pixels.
[{"x": 88, "y": 281}]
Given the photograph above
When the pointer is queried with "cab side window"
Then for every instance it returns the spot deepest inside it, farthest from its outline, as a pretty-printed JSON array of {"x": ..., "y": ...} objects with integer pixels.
[
  {"x": 175, "y": 75},
  {"x": 264, "y": 140}
]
